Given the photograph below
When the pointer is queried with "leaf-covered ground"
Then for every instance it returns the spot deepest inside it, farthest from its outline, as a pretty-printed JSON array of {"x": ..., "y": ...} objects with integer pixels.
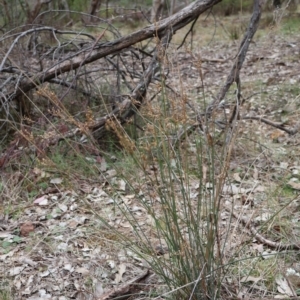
[{"x": 54, "y": 245}]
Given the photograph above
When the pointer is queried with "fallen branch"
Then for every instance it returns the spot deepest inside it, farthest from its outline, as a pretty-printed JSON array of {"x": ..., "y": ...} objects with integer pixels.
[
  {"x": 249, "y": 225},
  {"x": 280, "y": 126},
  {"x": 94, "y": 51}
]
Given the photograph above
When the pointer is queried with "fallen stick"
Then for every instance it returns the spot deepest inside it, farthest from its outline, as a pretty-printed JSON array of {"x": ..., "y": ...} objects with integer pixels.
[
  {"x": 128, "y": 289},
  {"x": 249, "y": 225}
]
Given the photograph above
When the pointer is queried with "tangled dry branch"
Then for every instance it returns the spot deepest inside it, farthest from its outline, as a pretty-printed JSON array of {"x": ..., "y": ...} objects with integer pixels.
[{"x": 88, "y": 52}]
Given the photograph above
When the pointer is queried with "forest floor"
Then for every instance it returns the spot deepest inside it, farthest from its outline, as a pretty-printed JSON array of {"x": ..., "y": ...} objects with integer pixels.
[{"x": 53, "y": 243}]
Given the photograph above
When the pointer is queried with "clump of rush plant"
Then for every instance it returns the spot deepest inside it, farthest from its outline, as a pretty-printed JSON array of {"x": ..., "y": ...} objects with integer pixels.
[{"x": 179, "y": 184}]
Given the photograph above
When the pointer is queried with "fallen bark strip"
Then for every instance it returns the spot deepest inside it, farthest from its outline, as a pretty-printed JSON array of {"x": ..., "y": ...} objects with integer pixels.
[
  {"x": 249, "y": 225},
  {"x": 127, "y": 290}
]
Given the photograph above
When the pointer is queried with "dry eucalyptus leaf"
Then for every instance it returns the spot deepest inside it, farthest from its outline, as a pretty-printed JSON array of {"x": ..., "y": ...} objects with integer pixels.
[
  {"x": 232, "y": 189},
  {"x": 269, "y": 254},
  {"x": 259, "y": 189},
  {"x": 111, "y": 263},
  {"x": 121, "y": 271},
  {"x": 4, "y": 234},
  {"x": 103, "y": 166},
  {"x": 263, "y": 217},
  {"x": 63, "y": 207},
  {"x": 283, "y": 286},
  {"x": 98, "y": 289},
  {"x": 56, "y": 180},
  {"x": 44, "y": 274},
  {"x": 284, "y": 165},
  {"x": 82, "y": 271},
  {"x": 293, "y": 184},
  {"x": 42, "y": 201},
  {"x": 3, "y": 257},
  {"x": 251, "y": 279},
  {"x": 111, "y": 173},
  {"x": 236, "y": 177},
  {"x": 122, "y": 185},
  {"x": 15, "y": 270},
  {"x": 258, "y": 247},
  {"x": 68, "y": 267}
]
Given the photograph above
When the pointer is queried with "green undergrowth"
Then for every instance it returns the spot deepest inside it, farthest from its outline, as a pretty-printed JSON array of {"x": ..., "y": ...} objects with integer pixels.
[
  {"x": 290, "y": 24},
  {"x": 5, "y": 294}
]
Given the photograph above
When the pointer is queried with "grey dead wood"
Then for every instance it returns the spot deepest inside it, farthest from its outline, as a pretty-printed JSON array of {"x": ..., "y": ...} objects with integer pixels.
[
  {"x": 95, "y": 50},
  {"x": 85, "y": 56}
]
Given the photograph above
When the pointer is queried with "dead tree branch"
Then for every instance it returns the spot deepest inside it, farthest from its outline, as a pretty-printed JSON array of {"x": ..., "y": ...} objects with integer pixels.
[
  {"x": 93, "y": 52},
  {"x": 274, "y": 245},
  {"x": 133, "y": 102},
  {"x": 280, "y": 126},
  {"x": 234, "y": 75},
  {"x": 71, "y": 62}
]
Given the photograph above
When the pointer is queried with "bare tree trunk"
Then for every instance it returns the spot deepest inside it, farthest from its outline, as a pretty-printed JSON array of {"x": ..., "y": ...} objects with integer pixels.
[
  {"x": 33, "y": 8},
  {"x": 172, "y": 7},
  {"x": 95, "y": 4},
  {"x": 66, "y": 7},
  {"x": 157, "y": 7},
  {"x": 4, "y": 4}
]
